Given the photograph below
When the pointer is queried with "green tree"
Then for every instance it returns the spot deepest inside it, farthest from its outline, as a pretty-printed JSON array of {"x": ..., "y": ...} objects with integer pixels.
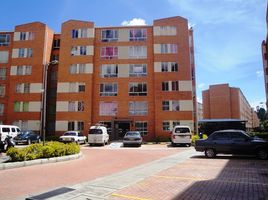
[{"x": 261, "y": 113}]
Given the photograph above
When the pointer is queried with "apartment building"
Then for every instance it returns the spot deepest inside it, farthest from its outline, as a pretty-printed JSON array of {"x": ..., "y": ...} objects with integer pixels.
[
  {"x": 264, "y": 47},
  {"x": 224, "y": 102},
  {"x": 128, "y": 78}
]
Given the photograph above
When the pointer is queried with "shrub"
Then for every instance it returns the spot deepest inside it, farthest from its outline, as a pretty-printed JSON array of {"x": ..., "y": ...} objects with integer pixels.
[
  {"x": 72, "y": 148},
  {"x": 35, "y": 151},
  {"x": 196, "y": 137}
]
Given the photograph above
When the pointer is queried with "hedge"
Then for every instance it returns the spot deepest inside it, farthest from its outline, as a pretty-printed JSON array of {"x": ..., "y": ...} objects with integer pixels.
[{"x": 36, "y": 151}]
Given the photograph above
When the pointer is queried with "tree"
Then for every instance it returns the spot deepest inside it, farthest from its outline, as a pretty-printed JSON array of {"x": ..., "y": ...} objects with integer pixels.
[{"x": 261, "y": 113}]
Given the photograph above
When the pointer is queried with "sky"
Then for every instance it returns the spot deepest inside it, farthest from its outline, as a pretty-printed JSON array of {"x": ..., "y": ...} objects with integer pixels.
[{"x": 227, "y": 33}]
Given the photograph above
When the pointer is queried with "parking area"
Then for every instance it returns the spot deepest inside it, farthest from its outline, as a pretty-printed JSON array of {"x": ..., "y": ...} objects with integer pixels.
[
  {"x": 150, "y": 172},
  {"x": 225, "y": 177}
]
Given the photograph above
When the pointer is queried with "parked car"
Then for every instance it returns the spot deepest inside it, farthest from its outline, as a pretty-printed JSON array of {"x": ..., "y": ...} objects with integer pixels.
[
  {"x": 27, "y": 137},
  {"x": 8, "y": 130},
  {"x": 232, "y": 142},
  {"x": 73, "y": 136},
  {"x": 181, "y": 135},
  {"x": 132, "y": 138},
  {"x": 98, "y": 135}
]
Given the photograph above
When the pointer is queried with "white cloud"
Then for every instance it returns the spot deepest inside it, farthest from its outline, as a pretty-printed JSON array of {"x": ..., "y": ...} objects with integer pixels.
[
  {"x": 199, "y": 100},
  {"x": 201, "y": 85},
  {"x": 259, "y": 73},
  {"x": 134, "y": 22}
]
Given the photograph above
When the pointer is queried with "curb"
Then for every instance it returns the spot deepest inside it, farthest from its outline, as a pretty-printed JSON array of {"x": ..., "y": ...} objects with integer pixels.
[{"x": 41, "y": 161}]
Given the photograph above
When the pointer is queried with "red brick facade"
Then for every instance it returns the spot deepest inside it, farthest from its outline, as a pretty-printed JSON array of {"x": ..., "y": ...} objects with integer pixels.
[
  {"x": 132, "y": 77},
  {"x": 224, "y": 102}
]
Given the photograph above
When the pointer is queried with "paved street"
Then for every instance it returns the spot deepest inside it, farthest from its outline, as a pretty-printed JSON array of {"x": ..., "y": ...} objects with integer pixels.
[{"x": 149, "y": 172}]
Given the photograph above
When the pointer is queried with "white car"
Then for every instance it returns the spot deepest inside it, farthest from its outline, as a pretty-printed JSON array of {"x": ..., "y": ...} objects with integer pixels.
[
  {"x": 73, "y": 136},
  {"x": 98, "y": 135}
]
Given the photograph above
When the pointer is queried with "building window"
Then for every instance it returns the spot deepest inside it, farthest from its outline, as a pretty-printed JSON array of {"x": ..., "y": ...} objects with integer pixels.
[
  {"x": 142, "y": 127},
  {"x": 75, "y": 106},
  {"x": 24, "y": 70},
  {"x": 166, "y": 126},
  {"x": 3, "y": 72},
  {"x": 169, "y": 48},
  {"x": 165, "y": 105},
  {"x": 25, "y": 106},
  {"x": 56, "y": 44},
  {"x": 79, "y": 50},
  {"x": 109, "y": 70},
  {"x": 28, "y": 70},
  {"x": 165, "y": 86},
  {"x": 171, "y": 105},
  {"x": 137, "y": 89},
  {"x": 16, "y": 106},
  {"x": 175, "y": 85},
  {"x": 138, "y": 108},
  {"x": 138, "y": 70},
  {"x": 80, "y": 126},
  {"x": 22, "y": 35},
  {"x": 4, "y": 39},
  {"x": 137, "y": 34},
  {"x": 77, "y": 87},
  {"x": 137, "y": 52},
  {"x": 23, "y": 88},
  {"x": 77, "y": 69},
  {"x": 2, "y": 107},
  {"x": 175, "y": 123},
  {"x": 174, "y": 67},
  {"x": 80, "y": 106},
  {"x": 71, "y": 126},
  {"x": 25, "y": 53},
  {"x": 109, "y": 35},
  {"x": 164, "y": 66},
  {"x": 108, "y": 89},
  {"x": 75, "y": 33},
  {"x": 21, "y": 106},
  {"x": 2, "y": 90},
  {"x": 108, "y": 108},
  {"x": 3, "y": 56},
  {"x": 109, "y": 52}
]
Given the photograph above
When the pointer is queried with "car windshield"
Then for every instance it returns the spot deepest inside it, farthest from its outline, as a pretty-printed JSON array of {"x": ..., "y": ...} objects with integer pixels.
[
  {"x": 95, "y": 131},
  {"x": 132, "y": 134},
  {"x": 23, "y": 133},
  {"x": 70, "y": 133},
  {"x": 182, "y": 130}
]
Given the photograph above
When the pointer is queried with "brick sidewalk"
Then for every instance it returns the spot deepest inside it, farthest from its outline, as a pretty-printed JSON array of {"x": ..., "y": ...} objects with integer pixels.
[{"x": 200, "y": 178}]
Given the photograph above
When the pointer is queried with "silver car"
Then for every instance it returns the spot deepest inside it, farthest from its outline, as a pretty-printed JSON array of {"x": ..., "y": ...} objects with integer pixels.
[{"x": 132, "y": 138}]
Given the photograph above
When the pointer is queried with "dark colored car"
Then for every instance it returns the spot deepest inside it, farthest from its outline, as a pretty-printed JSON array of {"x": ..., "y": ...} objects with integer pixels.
[
  {"x": 232, "y": 142},
  {"x": 132, "y": 138},
  {"x": 27, "y": 137}
]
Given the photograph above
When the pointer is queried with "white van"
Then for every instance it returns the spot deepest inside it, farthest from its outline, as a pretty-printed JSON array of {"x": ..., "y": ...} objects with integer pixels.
[
  {"x": 181, "y": 135},
  {"x": 98, "y": 135},
  {"x": 10, "y": 130}
]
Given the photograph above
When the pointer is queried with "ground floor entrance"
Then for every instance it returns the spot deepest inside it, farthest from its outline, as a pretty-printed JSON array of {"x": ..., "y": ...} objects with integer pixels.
[{"x": 119, "y": 127}]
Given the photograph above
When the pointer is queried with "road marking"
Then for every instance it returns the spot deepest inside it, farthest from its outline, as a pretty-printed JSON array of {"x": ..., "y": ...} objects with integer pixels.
[
  {"x": 128, "y": 196},
  {"x": 180, "y": 177},
  {"x": 215, "y": 180}
]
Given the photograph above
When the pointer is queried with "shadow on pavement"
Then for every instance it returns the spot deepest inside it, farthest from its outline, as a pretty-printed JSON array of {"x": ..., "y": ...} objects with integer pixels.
[{"x": 241, "y": 178}]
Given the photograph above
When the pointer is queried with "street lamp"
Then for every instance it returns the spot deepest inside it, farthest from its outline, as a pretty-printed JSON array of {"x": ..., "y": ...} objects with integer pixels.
[{"x": 44, "y": 99}]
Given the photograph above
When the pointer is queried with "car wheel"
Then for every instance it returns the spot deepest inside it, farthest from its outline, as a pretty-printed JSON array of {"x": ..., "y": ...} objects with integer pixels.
[
  {"x": 262, "y": 154},
  {"x": 189, "y": 144},
  {"x": 173, "y": 144},
  {"x": 210, "y": 153},
  {"x": 29, "y": 142}
]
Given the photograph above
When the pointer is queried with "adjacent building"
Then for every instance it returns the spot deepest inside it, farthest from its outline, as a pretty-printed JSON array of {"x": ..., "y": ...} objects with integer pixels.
[
  {"x": 264, "y": 47},
  {"x": 224, "y": 102},
  {"x": 128, "y": 78}
]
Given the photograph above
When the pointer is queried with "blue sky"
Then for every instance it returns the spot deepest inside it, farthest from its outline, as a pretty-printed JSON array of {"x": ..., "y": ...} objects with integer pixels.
[{"x": 227, "y": 33}]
